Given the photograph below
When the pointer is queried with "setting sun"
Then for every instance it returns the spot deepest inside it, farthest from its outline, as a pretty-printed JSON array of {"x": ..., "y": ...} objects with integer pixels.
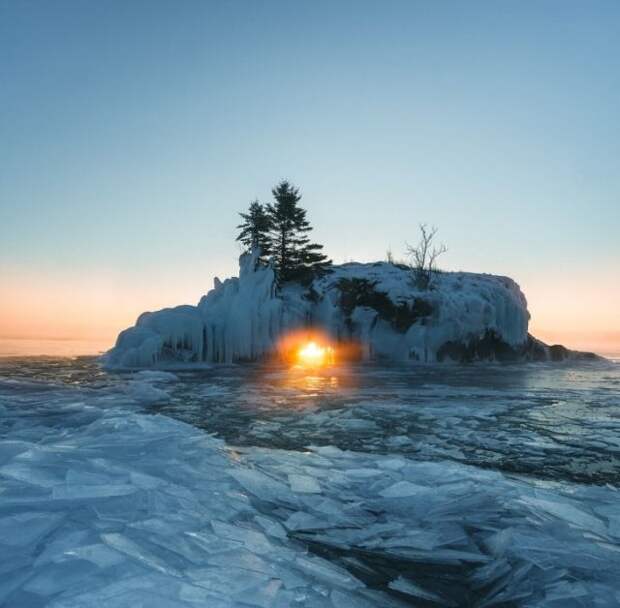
[{"x": 314, "y": 355}]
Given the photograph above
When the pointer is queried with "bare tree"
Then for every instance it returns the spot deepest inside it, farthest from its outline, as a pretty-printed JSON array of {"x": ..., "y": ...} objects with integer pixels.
[{"x": 423, "y": 257}]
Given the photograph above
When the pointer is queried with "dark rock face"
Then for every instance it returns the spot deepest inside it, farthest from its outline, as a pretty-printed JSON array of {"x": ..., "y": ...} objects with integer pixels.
[
  {"x": 490, "y": 347},
  {"x": 535, "y": 350},
  {"x": 362, "y": 292},
  {"x": 557, "y": 352}
]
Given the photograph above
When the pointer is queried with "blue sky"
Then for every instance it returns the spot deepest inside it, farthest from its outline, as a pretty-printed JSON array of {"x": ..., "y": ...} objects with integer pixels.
[{"x": 133, "y": 132}]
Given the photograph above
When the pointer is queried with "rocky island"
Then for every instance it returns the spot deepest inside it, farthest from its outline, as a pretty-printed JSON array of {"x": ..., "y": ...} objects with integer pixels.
[{"x": 373, "y": 311}]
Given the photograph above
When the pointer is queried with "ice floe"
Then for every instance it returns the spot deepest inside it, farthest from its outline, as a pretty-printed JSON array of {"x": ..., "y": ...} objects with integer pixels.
[{"x": 103, "y": 504}]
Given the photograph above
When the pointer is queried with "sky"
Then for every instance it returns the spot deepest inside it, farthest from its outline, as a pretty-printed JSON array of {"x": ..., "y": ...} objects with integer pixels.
[{"x": 132, "y": 133}]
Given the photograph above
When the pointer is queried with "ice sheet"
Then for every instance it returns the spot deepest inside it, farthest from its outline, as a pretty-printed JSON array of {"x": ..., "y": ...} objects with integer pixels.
[{"x": 105, "y": 505}]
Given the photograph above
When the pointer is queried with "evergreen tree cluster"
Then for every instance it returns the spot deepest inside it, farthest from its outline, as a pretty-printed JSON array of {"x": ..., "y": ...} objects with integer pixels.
[
  {"x": 254, "y": 230},
  {"x": 280, "y": 229}
]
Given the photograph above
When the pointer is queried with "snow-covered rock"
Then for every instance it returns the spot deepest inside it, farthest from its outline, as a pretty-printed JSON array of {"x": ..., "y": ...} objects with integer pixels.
[{"x": 376, "y": 306}]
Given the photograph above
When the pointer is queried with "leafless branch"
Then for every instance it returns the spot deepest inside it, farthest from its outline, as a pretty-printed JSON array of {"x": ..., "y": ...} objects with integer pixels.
[{"x": 423, "y": 257}]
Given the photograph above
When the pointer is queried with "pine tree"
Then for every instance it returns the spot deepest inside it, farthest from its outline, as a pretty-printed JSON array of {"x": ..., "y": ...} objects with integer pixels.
[
  {"x": 255, "y": 230},
  {"x": 296, "y": 258}
]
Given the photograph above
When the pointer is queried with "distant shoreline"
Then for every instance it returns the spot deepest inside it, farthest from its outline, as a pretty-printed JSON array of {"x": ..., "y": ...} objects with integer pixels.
[{"x": 34, "y": 347}]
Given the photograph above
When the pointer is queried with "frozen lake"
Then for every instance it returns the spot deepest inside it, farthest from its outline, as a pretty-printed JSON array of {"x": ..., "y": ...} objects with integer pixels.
[{"x": 264, "y": 486}]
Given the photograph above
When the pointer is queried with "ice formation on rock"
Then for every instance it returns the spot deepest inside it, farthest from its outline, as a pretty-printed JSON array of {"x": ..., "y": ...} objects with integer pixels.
[{"x": 463, "y": 316}]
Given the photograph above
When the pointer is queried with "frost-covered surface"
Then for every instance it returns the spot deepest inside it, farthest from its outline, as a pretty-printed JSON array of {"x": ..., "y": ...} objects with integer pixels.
[
  {"x": 496, "y": 540},
  {"x": 104, "y": 504},
  {"x": 242, "y": 318},
  {"x": 115, "y": 508},
  {"x": 464, "y": 306}
]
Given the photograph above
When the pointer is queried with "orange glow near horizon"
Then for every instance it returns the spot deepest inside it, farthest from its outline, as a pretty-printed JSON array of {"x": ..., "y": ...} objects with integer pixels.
[
  {"x": 579, "y": 312},
  {"x": 47, "y": 307}
]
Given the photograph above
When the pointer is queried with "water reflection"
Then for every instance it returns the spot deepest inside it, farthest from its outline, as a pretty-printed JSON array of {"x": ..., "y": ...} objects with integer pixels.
[
  {"x": 313, "y": 383},
  {"x": 548, "y": 421}
]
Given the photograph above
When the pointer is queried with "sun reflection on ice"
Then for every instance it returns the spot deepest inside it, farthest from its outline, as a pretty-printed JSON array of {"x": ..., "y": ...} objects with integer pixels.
[
  {"x": 318, "y": 384},
  {"x": 316, "y": 364}
]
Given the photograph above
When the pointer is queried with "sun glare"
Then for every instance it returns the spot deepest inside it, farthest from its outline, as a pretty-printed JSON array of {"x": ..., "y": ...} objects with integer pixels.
[
  {"x": 311, "y": 349},
  {"x": 312, "y": 354}
]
